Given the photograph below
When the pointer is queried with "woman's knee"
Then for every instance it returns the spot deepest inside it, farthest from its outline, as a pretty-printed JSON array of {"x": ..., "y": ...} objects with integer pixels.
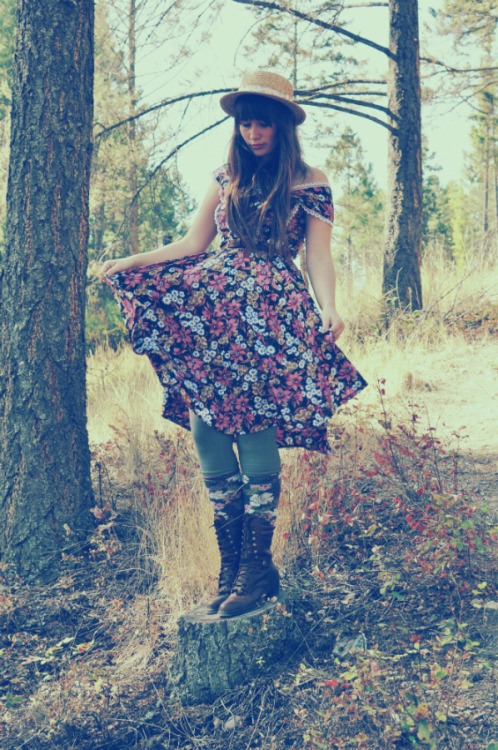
[
  {"x": 214, "y": 449},
  {"x": 258, "y": 452},
  {"x": 200, "y": 431}
]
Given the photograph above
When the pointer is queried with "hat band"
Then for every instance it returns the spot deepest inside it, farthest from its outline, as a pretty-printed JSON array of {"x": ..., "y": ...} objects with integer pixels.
[{"x": 265, "y": 91}]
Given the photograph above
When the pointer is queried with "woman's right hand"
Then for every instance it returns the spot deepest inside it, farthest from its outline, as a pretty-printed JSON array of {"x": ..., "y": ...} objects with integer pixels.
[{"x": 118, "y": 264}]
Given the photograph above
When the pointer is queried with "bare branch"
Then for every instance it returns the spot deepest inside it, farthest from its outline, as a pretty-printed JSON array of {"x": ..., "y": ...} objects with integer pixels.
[
  {"x": 466, "y": 99},
  {"x": 155, "y": 107},
  {"x": 173, "y": 152},
  {"x": 364, "y": 93},
  {"x": 353, "y": 112},
  {"x": 347, "y": 100},
  {"x": 198, "y": 94},
  {"x": 317, "y": 22},
  {"x": 324, "y": 86},
  {"x": 450, "y": 69},
  {"x": 367, "y": 5}
]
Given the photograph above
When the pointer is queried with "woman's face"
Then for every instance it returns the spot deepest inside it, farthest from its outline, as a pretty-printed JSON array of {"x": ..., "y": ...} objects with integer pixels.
[{"x": 259, "y": 135}]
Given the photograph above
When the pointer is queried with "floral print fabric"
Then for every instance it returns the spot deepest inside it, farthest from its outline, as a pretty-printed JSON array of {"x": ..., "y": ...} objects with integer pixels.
[
  {"x": 226, "y": 496},
  {"x": 261, "y": 496},
  {"x": 314, "y": 199},
  {"x": 235, "y": 335}
]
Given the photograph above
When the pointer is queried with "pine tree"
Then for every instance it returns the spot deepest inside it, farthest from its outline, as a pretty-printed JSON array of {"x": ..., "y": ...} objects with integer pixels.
[
  {"x": 7, "y": 36},
  {"x": 473, "y": 29},
  {"x": 461, "y": 226},
  {"x": 401, "y": 118},
  {"x": 45, "y": 487},
  {"x": 436, "y": 222},
  {"x": 360, "y": 211},
  {"x": 483, "y": 163},
  {"x": 158, "y": 200}
]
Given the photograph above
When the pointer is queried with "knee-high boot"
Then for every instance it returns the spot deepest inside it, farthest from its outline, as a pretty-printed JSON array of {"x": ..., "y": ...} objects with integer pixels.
[
  {"x": 257, "y": 577},
  {"x": 226, "y": 497}
]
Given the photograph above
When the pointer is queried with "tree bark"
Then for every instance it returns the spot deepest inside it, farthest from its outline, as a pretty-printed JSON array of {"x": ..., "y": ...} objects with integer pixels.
[
  {"x": 215, "y": 655},
  {"x": 132, "y": 166},
  {"x": 45, "y": 487},
  {"x": 485, "y": 197},
  {"x": 401, "y": 279}
]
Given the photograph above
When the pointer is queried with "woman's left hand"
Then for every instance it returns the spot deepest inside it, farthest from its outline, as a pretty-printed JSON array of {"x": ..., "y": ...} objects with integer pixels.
[{"x": 332, "y": 322}]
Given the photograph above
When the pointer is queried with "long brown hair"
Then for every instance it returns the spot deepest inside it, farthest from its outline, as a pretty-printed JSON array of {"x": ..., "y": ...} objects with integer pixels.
[{"x": 271, "y": 178}]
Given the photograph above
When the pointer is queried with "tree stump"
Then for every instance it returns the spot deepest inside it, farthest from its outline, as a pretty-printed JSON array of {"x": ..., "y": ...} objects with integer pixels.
[{"x": 215, "y": 654}]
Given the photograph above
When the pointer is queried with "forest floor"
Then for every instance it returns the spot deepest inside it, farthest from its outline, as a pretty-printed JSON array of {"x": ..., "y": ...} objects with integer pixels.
[{"x": 389, "y": 539}]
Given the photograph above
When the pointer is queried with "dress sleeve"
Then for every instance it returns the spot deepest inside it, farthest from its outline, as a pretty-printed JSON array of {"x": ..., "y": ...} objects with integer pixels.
[
  {"x": 220, "y": 176},
  {"x": 317, "y": 201}
]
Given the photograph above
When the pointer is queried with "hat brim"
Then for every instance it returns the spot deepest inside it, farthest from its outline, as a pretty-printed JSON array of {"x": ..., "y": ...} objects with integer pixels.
[{"x": 227, "y": 103}]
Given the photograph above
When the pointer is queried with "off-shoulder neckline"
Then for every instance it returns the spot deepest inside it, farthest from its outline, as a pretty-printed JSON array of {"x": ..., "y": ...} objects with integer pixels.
[
  {"x": 300, "y": 186},
  {"x": 304, "y": 185}
]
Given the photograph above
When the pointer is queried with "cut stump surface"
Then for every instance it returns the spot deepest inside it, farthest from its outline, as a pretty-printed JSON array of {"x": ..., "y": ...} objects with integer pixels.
[{"x": 214, "y": 654}]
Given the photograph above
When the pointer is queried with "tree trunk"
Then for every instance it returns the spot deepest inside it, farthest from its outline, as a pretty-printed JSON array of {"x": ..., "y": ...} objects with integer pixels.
[
  {"x": 495, "y": 164},
  {"x": 485, "y": 207},
  {"x": 215, "y": 655},
  {"x": 401, "y": 280},
  {"x": 132, "y": 164},
  {"x": 45, "y": 488},
  {"x": 495, "y": 173}
]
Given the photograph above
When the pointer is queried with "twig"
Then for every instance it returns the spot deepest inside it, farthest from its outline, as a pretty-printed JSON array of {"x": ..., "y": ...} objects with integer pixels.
[
  {"x": 318, "y": 22},
  {"x": 449, "y": 68},
  {"x": 325, "y": 105},
  {"x": 164, "y": 103},
  {"x": 342, "y": 98},
  {"x": 173, "y": 152}
]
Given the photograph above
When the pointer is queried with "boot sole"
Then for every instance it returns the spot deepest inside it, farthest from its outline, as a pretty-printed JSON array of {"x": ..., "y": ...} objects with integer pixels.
[
  {"x": 260, "y": 602},
  {"x": 253, "y": 608}
]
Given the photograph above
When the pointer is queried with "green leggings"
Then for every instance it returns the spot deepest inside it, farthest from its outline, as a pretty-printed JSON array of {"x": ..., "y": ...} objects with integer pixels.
[{"x": 258, "y": 451}]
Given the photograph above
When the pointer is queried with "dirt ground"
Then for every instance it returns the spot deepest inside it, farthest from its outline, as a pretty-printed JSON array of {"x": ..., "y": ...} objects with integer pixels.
[
  {"x": 467, "y": 396},
  {"x": 72, "y": 676},
  {"x": 464, "y": 402}
]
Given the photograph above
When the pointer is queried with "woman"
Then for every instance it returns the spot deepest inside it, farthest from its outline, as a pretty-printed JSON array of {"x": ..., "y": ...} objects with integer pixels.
[{"x": 234, "y": 336}]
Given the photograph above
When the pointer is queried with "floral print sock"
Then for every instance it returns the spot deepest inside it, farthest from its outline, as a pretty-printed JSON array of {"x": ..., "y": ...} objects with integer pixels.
[
  {"x": 261, "y": 495},
  {"x": 225, "y": 495}
]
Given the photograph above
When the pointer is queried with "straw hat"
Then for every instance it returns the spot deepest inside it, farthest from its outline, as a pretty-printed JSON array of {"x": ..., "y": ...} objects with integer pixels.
[{"x": 265, "y": 83}]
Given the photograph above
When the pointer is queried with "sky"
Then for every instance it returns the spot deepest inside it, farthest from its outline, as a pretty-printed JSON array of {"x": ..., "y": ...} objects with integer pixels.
[{"x": 220, "y": 62}]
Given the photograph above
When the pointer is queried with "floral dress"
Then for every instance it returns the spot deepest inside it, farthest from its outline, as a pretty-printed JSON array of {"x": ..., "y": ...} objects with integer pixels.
[{"x": 235, "y": 335}]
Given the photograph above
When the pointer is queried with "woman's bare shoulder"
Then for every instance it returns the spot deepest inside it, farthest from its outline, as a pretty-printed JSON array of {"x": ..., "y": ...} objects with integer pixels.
[{"x": 313, "y": 174}]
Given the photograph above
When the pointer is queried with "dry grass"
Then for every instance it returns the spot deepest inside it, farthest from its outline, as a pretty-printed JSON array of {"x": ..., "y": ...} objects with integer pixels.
[
  {"x": 85, "y": 659},
  {"x": 123, "y": 392},
  {"x": 416, "y": 351},
  {"x": 414, "y": 358}
]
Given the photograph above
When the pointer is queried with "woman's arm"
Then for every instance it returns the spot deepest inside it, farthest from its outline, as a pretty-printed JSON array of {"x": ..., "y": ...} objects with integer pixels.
[
  {"x": 197, "y": 240},
  {"x": 322, "y": 273}
]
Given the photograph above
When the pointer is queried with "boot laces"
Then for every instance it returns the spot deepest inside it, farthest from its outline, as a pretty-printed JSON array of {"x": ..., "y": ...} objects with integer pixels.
[
  {"x": 245, "y": 577},
  {"x": 227, "y": 575}
]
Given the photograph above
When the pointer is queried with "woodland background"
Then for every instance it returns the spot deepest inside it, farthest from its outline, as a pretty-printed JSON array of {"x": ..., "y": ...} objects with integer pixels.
[{"x": 388, "y": 541}]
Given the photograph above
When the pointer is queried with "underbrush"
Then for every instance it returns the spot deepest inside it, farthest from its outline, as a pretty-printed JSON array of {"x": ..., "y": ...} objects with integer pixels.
[
  {"x": 385, "y": 549},
  {"x": 415, "y": 351},
  {"x": 399, "y": 549}
]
